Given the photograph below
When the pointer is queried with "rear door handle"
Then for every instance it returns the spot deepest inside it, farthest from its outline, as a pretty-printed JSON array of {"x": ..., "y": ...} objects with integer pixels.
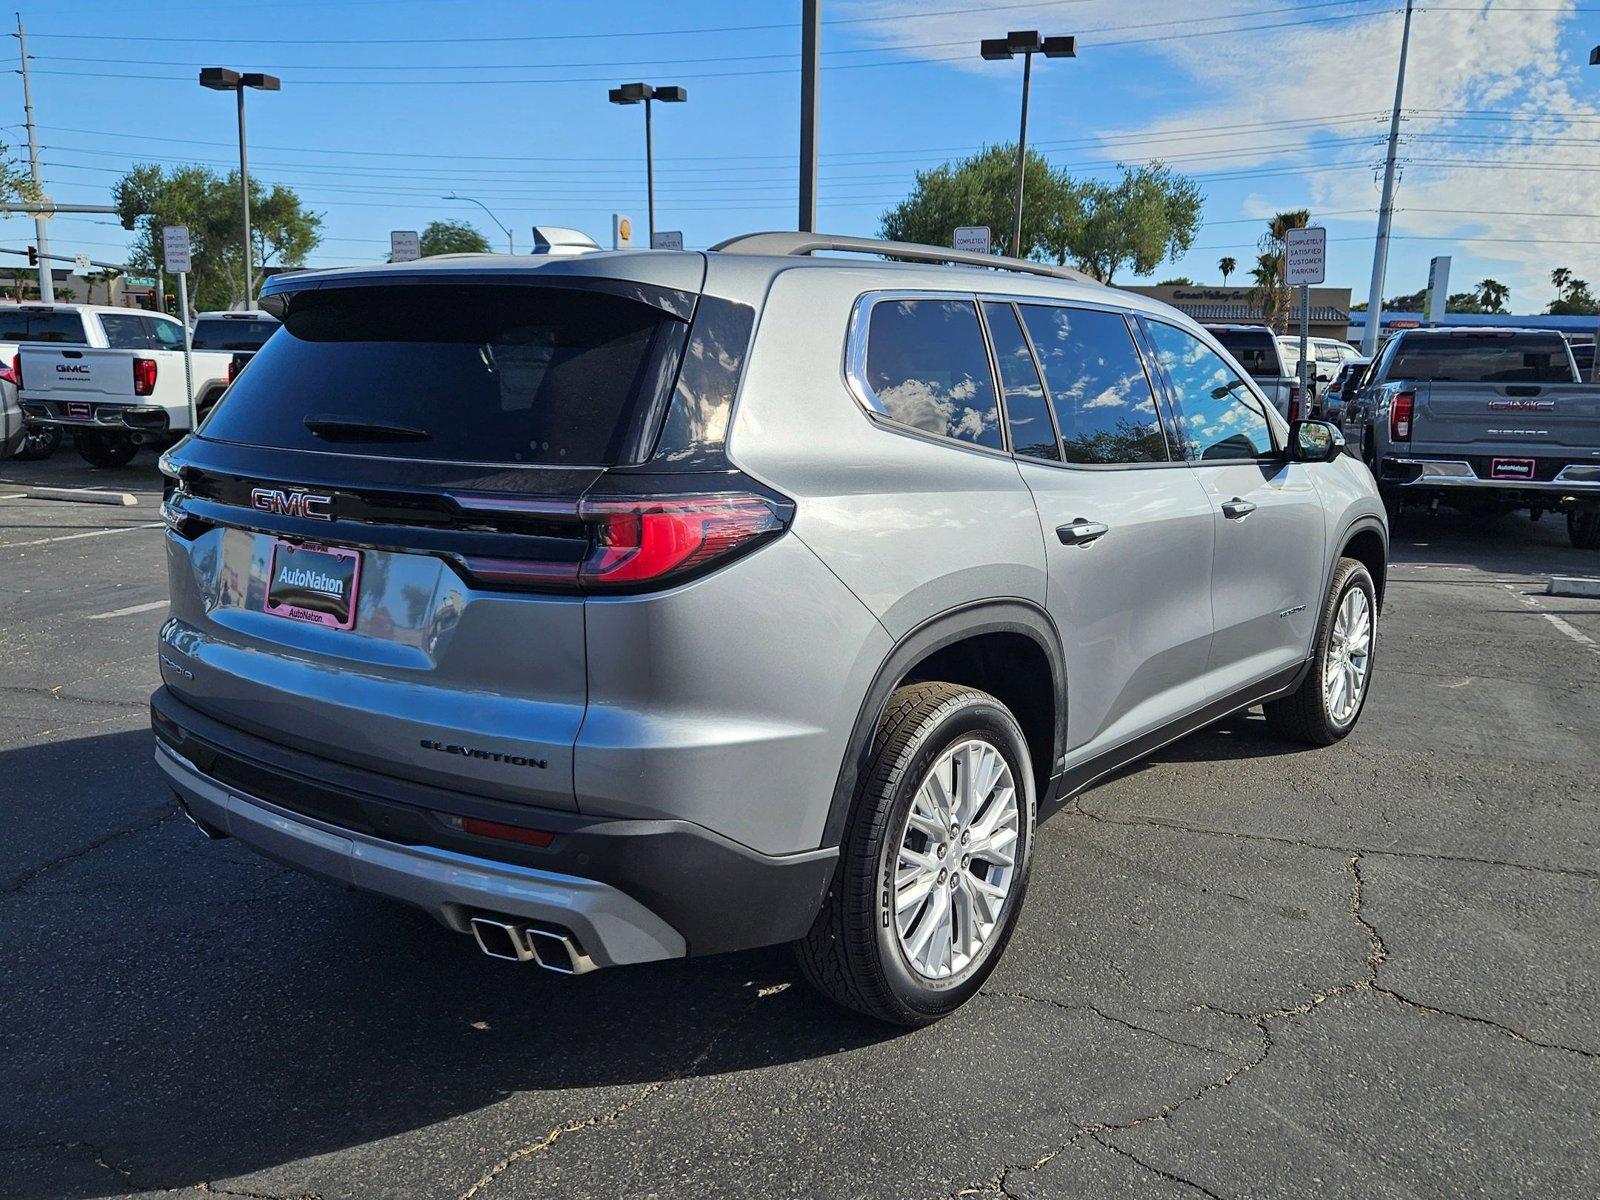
[
  {"x": 1081, "y": 532},
  {"x": 1237, "y": 509}
]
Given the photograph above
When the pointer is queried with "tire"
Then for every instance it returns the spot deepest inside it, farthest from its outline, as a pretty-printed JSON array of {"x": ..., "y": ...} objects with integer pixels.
[
  {"x": 1583, "y": 529},
  {"x": 857, "y": 951},
  {"x": 102, "y": 449},
  {"x": 42, "y": 441},
  {"x": 1308, "y": 714}
]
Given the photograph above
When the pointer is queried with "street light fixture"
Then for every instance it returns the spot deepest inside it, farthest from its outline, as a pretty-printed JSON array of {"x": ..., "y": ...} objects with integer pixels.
[
  {"x": 511, "y": 245},
  {"x": 221, "y": 79},
  {"x": 634, "y": 93},
  {"x": 1027, "y": 43}
]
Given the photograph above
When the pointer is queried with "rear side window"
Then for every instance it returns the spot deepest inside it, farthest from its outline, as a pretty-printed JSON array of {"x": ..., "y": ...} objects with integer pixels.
[
  {"x": 1102, "y": 398},
  {"x": 928, "y": 369},
  {"x": 540, "y": 375},
  {"x": 1255, "y": 352},
  {"x": 1027, "y": 418},
  {"x": 1221, "y": 417},
  {"x": 125, "y": 331},
  {"x": 1481, "y": 358},
  {"x": 226, "y": 333},
  {"x": 64, "y": 328}
]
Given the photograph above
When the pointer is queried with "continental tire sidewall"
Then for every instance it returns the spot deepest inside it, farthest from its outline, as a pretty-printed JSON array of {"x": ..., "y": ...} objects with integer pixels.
[{"x": 986, "y": 719}]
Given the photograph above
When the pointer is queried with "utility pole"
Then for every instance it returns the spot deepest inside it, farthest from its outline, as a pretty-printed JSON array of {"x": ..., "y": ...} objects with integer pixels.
[
  {"x": 810, "y": 52},
  {"x": 47, "y": 290},
  {"x": 1380, "y": 252}
]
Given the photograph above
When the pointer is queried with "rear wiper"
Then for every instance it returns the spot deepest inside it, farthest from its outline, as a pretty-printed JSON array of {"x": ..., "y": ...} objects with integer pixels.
[{"x": 350, "y": 429}]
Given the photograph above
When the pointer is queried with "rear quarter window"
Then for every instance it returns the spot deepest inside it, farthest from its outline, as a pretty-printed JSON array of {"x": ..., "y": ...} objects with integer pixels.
[
  {"x": 928, "y": 369},
  {"x": 482, "y": 374}
]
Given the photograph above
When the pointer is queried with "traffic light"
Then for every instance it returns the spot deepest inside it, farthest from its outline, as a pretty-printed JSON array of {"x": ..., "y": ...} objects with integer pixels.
[{"x": 33, "y": 256}]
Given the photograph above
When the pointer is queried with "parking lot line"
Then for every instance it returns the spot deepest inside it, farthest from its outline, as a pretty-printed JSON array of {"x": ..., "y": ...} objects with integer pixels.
[
  {"x": 127, "y": 612},
  {"x": 1565, "y": 626},
  {"x": 69, "y": 537}
]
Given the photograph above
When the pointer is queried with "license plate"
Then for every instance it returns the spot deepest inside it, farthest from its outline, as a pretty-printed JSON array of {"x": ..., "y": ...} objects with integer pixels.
[
  {"x": 1511, "y": 468},
  {"x": 315, "y": 583},
  {"x": 80, "y": 410}
]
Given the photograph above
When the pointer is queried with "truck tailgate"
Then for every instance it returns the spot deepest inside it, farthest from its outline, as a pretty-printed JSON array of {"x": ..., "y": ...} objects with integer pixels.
[
  {"x": 1489, "y": 417},
  {"x": 49, "y": 373}
]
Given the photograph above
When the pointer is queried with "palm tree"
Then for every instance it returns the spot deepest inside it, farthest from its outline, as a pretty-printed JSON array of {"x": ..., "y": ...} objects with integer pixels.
[
  {"x": 1227, "y": 266},
  {"x": 1561, "y": 277},
  {"x": 1493, "y": 294},
  {"x": 1269, "y": 292}
]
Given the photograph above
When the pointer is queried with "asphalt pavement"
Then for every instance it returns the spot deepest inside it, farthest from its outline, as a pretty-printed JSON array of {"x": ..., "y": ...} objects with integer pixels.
[{"x": 1244, "y": 969}]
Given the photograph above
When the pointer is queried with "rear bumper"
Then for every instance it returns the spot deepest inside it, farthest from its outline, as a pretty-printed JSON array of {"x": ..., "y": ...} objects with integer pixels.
[
  {"x": 628, "y": 890},
  {"x": 1452, "y": 474},
  {"x": 94, "y": 414}
]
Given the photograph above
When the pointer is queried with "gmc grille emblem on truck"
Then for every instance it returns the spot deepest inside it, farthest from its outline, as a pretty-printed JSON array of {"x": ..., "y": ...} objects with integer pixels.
[
  {"x": 65, "y": 369},
  {"x": 292, "y": 503}
]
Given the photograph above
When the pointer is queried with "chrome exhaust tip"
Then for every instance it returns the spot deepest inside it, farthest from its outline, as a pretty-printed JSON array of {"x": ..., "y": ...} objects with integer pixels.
[
  {"x": 205, "y": 827},
  {"x": 554, "y": 950}
]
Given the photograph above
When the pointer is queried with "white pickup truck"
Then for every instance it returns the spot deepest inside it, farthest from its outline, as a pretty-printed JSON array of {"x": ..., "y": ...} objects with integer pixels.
[{"x": 114, "y": 376}]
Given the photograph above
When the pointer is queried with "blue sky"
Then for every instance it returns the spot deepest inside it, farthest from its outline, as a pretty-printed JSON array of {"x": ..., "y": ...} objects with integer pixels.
[{"x": 390, "y": 104}]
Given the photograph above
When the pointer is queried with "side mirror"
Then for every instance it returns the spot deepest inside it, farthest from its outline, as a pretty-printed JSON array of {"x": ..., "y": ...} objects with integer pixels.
[{"x": 1315, "y": 441}]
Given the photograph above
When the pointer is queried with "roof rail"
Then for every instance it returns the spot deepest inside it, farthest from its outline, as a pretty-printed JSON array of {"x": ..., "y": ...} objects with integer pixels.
[{"x": 784, "y": 243}]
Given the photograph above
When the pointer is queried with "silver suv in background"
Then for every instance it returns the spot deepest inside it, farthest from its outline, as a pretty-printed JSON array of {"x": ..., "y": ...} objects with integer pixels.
[{"x": 625, "y": 606}]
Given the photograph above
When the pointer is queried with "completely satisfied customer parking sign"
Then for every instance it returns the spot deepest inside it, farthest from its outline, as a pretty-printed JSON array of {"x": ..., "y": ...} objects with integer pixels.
[
  {"x": 1305, "y": 256},
  {"x": 175, "y": 248}
]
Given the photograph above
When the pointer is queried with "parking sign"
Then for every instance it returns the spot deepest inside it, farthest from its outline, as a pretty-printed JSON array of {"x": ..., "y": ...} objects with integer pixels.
[
  {"x": 175, "y": 248},
  {"x": 972, "y": 238},
  {"x": 1305, "y": 256},
  {"x": 404, "y": 245}
]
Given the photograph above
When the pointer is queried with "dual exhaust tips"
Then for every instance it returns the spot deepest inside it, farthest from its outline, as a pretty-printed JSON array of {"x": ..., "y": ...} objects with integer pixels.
[{"x": 551, "y": 949}]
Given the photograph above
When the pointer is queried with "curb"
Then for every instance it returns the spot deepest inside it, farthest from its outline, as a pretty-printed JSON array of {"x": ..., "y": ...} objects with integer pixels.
[
  {"x": 84, "y": 496},
  {"x": 1571, "y": 585}
]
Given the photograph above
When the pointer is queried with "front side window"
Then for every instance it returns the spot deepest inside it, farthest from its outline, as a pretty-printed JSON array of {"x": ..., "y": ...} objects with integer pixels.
[
  {"x": 1027, "y": 418},
  {"x": 1102, "y": 398},
  {"x": 164, "y": 335},
  {"x": 1219, "y": 415},
  {"x": 929, "y": 370}
]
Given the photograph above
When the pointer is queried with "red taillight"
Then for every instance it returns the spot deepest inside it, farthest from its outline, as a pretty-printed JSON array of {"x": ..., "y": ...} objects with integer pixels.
[
  {"x": 16, "y": 370},
  {"x": 144, "y": 376},
  {"x": 506, "y": 833},
  {"x": 233, "y": 369},
  {"x": 1400, "y": 416},
  {"x": 646, "y": 540},
  {"x": 1294, "y": 403}
]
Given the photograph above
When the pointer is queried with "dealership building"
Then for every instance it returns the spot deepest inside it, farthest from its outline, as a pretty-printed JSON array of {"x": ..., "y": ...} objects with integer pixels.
[{"x": 1330, "y": 307}]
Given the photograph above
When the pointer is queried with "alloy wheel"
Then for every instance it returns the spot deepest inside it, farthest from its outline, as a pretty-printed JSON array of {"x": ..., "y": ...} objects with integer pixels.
[{"x": 1344, "y": 673}]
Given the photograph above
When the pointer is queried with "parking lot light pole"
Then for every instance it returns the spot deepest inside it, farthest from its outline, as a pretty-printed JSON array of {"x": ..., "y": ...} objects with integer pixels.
[
  {"x": 1594, "y": 369},
  {"x": 1027, "y": 43},
  {"x": 511, "y": 244},
  {"x": 221, "y": 79},
  {"x": 636, "y": 93}
]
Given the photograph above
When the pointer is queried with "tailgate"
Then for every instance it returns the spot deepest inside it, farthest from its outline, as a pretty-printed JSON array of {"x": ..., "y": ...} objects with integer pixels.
[
  {"x": 49, "y": 373},
  {"x": 1541, "y": 419}
]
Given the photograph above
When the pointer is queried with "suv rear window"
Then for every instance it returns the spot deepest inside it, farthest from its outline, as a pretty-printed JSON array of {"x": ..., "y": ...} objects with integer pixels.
[
  {"x": 61, "y": 327},
  {"x": 1256, "y": 352},
  {"x": 1481, "y": 358},
  {"x": 461, "y": 373},
  {"x": 229, "y": 333}
]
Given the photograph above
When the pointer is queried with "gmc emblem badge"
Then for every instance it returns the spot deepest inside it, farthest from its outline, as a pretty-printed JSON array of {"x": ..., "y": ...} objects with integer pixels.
[{"x": 292, "y": 503}]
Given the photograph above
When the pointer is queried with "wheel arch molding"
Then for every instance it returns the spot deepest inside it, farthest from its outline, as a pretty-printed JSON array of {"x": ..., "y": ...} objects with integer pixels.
[{"x": 974, "y": 642}]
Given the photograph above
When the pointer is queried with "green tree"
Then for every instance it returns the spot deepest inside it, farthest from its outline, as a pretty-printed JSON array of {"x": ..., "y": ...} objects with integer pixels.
[
  {"x": 1574, "y": 299},
  {"x": 452, "y": 237},
  {"x": 1176, "y": 281},
  {"x": 1147, "y": 217},
  {"x": 1227, "y": 266},
  {"x": 283, "y": 231},
  {"x": 1492, "y": 295},
  {"x": 980, "y": 190}
]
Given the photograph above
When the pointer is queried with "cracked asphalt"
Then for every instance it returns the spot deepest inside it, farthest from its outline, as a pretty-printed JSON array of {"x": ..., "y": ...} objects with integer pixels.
[{"x": 1244, "y": 969}]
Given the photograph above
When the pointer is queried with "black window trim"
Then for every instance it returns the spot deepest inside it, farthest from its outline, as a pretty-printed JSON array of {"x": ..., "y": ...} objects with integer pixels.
[
  {"x": 855, "y": 369},
  {"x": 1129, "y": 320},
  {"x": 1273, "y": 418}
]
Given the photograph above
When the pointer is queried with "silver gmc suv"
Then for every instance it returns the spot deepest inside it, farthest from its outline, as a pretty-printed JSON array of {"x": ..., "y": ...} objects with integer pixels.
[{"x": 628, "y": 606}]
